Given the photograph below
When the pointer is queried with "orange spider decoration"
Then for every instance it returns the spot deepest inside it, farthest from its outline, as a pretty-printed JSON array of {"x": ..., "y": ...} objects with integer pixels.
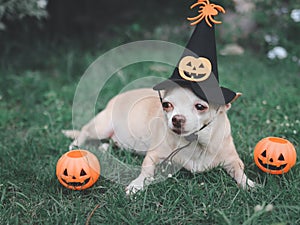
[{"x": 207, "y": 10}]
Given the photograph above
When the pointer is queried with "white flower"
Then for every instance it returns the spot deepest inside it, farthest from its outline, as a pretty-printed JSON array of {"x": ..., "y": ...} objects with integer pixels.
[
  {"x": 269, "y": 207},
  {"x": 281, "y": 11},
  {"x": 2, "y": 26},
  {"x": 295, "y": 15},
  {"x": 258, "y": 208},
  {"x": 271, "y": 39},
  {"x": 277, "y": 52},
  {"x": 284, "y": 10},
  {"x": 42, "y": 3},
  {"x": 295, "y": 59}
]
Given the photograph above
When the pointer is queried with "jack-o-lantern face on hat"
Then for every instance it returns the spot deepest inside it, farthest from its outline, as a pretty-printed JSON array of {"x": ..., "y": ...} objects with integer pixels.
[{"x": 194, "y": 69}]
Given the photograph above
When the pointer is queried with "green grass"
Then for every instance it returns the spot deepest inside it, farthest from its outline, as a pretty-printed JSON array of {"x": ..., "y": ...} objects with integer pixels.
[{"x": 37, "y": 90}]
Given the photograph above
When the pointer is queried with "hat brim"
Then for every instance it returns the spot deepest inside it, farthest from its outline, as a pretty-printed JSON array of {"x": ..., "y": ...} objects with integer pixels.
[
  {"x": 171, "y": 83},
  {"x": 216, "y": 94}
]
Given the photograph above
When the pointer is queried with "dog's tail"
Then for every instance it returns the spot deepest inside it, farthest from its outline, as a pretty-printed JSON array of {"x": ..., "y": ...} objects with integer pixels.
[{"x": 73, "y": 134}]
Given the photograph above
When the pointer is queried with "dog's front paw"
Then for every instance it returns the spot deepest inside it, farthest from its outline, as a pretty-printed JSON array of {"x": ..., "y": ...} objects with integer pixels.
[
  {"x": 73, "y": 145},
  {"x": 103, "y": 147},
  {"x": 135, "y": 186},
  {"x": 138, "y": 185},
  {"x": 249, "y": 184},
  {"x": 254, "y": 185}
]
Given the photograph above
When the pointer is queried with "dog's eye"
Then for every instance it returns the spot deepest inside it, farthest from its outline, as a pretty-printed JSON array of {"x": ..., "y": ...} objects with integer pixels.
[
  {"x": 167, "y": 105},
  {"x": 200, "y": 107}
]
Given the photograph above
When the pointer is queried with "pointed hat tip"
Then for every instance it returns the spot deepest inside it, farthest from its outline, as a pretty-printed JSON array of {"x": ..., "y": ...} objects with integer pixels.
[{"x": 206, "y": 11}]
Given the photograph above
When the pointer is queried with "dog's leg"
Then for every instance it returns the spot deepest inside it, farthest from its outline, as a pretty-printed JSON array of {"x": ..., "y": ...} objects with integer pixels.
[
  {"x": 73, "y": 134},
  {"x": 146, "y": 175},
  {"x": 236, "y": 170},
  {"x": 100, "y": 127}
]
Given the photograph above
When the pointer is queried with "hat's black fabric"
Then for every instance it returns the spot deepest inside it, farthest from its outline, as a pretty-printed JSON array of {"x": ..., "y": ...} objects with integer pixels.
[{"x": 197, "y": 68}]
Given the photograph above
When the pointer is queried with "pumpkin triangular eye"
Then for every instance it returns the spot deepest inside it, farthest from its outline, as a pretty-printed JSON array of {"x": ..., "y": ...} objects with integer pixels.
[
  {"x": 281, "y": 158},
  {"x": 201, "y": 66},
  {"x": 65, "y": 172},
  {"x": 189, "y": 64},
  {"x": 82, "y": 173},
  {"x": 264, "y": 154}
]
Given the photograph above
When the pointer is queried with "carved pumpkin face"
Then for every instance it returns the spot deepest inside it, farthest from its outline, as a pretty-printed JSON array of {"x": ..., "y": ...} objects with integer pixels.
[
  {"x": 194, "y": 69},
  {"x": 78, "y": 169},
  {"x": 274, "y": 155}
]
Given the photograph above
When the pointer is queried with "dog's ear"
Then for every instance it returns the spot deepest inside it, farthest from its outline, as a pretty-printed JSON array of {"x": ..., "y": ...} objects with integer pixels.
[
  {"x": 227, "y": 106},
  {"x": 236, "y": 97}
]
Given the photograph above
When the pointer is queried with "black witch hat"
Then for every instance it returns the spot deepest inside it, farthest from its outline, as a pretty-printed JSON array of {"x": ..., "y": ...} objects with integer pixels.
[{"x": 197, "y": 68}]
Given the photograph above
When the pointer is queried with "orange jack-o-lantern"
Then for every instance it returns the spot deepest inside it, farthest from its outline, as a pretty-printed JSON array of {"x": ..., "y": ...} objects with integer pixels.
[
  {"x": 194, "y": 69},
  {"x": 78, "y": 169},
  {"x": 275, "y": 155}
]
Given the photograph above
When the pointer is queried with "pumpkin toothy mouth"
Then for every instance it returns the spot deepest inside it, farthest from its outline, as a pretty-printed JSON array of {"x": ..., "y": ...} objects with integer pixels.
[
  {"x": 193, "y": 75},
  {"x": 77, "y": 184},
  {"x": 271, "y": 167}
]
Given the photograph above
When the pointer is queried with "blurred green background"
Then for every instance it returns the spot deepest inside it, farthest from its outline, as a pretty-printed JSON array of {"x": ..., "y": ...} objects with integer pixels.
[
  {"x": 258, "y": 24},
  {"x": 45, "y": 47}
]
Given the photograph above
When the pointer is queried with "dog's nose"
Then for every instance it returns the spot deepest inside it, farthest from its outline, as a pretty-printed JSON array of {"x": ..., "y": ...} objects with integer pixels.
[{"x": 178, "y": 121}]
